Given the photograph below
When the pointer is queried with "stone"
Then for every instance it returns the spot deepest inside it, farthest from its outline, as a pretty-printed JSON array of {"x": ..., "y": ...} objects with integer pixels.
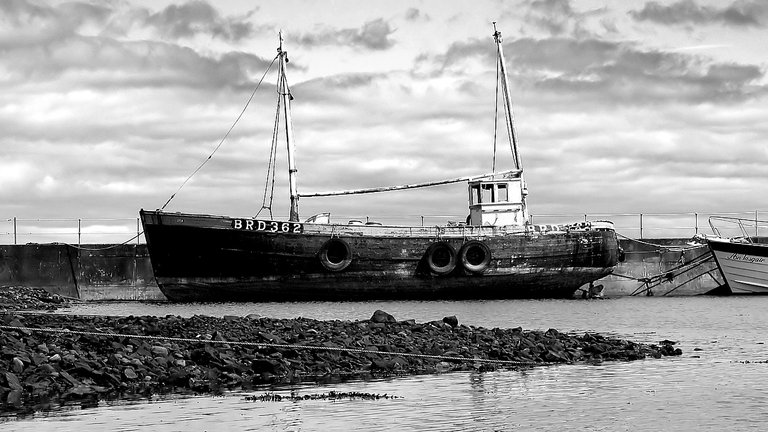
[
  {"x": 13, "y": 381},
  {"x": 14, "y": 398},
  {"x": 18, "y": 365},
  {"x": 129, "y": 373},
  {"x": 159, "y": 350},
  {"x": 382, "y": 317},
  {"x": 451, "y": 321}
]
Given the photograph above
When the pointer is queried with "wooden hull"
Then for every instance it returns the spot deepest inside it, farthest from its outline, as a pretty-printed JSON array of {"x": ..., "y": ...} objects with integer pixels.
[
  {"x": 217, "y": 258},
  {"x": 744, "y": 266}
]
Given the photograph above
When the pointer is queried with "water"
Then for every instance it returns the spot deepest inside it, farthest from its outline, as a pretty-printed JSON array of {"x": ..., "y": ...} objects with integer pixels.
[{"x": 717, "y": 384}]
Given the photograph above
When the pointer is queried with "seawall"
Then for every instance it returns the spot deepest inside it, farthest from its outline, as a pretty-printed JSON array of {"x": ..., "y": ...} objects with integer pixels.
[
  {"x": 88, "y": 272},
  {"x": 124, "y": 272}
]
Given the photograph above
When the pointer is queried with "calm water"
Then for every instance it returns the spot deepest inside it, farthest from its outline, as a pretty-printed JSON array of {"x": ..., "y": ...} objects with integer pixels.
[{"x": 718, "y": 384}]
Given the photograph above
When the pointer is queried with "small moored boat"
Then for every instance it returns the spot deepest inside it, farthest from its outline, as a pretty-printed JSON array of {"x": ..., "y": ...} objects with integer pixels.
[{"x": 743, "y": 257}]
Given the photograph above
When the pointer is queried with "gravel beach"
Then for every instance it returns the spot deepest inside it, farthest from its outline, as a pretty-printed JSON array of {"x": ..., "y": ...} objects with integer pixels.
[{"x": 49, "y": 359}]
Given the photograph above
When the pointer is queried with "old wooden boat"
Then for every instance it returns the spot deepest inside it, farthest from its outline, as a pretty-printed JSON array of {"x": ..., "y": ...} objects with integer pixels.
[
  {"x": 741, "y": 257},
  {"x": 497, "y": 253}
]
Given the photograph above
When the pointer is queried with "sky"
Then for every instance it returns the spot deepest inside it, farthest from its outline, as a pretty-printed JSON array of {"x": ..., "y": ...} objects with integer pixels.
[{"x": 621, "y": 107}]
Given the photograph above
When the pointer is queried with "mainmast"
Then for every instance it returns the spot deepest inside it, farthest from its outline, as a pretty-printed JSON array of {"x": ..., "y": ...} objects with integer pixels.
[
  {"x": 510, "y": 117},
  {"x": 285, "y": 93}
]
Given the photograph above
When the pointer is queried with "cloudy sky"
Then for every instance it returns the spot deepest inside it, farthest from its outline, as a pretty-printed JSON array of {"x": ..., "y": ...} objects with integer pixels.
[{"x": 621, "y": 107}]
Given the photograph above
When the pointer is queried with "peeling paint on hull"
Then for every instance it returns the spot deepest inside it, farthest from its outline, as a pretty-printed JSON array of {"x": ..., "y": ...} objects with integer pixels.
[{"x": 205, "y": 258}]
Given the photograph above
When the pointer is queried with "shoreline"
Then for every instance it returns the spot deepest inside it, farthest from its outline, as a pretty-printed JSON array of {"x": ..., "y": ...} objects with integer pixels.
[{"x": 49, "y": 360}]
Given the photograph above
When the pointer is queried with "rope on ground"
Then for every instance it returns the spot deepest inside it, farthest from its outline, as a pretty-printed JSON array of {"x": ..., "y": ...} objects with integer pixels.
[{"x": 258, "y": 345}]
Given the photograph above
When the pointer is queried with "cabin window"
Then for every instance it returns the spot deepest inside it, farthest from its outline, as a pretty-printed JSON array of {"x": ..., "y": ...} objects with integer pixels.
[
  {"x": 503, "y": 194},
  {"x": 487, "y": 190},
  {"x": 474, "y": 194}
]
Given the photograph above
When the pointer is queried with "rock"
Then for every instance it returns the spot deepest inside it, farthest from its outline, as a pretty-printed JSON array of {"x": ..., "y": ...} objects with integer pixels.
[
  {"x": 159, "y": 350},
  {"x": 451, "y": 321},
  {"x": 18, "y": 365},
  {"x": 382, "y": 317},
  {"x": 14, "y": 398},
  {"x": 13, "y": 381},
  {"x": 129, "y": 373}
]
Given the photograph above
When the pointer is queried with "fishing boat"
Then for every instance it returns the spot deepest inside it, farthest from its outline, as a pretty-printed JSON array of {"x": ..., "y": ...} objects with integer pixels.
[
  {"x": 496, "y": 253},
  {"x": 742, "y": 257}
]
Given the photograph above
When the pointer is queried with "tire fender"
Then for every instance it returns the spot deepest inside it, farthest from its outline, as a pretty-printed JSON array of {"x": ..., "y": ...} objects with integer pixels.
[
  {"x": 335, "y": 255},
  {"x": 441, "y": 258},
  {"x": 475, "y": 256}
]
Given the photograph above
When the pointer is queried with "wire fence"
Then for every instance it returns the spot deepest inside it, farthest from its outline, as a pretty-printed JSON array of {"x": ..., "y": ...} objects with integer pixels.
[{"x": 129, "y": 230}]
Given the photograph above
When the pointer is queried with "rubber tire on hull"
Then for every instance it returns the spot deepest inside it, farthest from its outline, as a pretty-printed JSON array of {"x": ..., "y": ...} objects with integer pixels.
[
  {"x": 335, "y": 255},
  {"x": 475, "y": 256},
  {"x": 441, "y": 258}
]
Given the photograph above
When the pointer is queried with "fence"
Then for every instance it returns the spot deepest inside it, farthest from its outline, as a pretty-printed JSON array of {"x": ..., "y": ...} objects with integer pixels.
[{"x": 127, "y": 230}]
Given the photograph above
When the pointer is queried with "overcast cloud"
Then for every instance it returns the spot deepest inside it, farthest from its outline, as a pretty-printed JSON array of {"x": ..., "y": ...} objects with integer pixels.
[{"x": 107, "y": 107}]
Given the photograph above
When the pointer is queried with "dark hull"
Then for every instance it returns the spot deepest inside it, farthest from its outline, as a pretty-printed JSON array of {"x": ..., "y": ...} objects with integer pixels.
[{"x": 205, "y": 258}]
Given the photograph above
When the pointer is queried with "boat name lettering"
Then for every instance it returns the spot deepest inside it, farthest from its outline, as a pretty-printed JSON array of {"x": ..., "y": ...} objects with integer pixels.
[
  {"x": 268, "y": 226},
  {"x": 745, "y": 258}
]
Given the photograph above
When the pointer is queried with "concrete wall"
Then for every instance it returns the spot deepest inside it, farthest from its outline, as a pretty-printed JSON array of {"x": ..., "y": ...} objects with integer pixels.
[{"x": 124, "y": 272}]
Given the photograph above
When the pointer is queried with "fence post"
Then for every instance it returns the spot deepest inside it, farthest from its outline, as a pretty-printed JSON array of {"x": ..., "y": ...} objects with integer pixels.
[
  {"x": 14, "y": 230},
  {"x": 422, "y": 220},
  {"x": 78, "y": 232},
  {"x": 697, "y": 223},
  {"x": 756, "y": 225},
  {"x": 641, "y": 226}
]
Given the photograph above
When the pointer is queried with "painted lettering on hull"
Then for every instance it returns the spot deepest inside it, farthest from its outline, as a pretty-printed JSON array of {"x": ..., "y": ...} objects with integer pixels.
[
  {"x": 745, "y": 258},
  {"x": 267, "y": 226}
]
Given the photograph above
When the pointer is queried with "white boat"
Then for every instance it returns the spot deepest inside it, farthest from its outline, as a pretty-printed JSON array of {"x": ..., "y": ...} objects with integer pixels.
[{"x": 743, "y": 257}]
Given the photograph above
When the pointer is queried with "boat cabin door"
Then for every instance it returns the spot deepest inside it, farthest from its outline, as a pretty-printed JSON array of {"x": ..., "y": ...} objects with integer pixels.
[{"x": 497, "y": 202}]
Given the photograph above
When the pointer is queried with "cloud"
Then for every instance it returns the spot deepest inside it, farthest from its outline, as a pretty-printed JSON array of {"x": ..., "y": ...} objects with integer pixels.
[
  {"x": 558, "y": 17},
  {"x": 28, "y": 23},
  {"x": 740, "y": 13},
  {"x": 611, "y": 72},
  {"x": 198, "y": 17},
  {"x": 414, "y": 14},
  {"x": 374, "y": 35}
]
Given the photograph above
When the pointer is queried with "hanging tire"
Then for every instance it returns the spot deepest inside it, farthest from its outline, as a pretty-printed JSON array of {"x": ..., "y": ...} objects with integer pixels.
[
  {"x": 441, "y": 258},
  {"x": 475, "y": 256},
  {"x": 335, "y": 255}
]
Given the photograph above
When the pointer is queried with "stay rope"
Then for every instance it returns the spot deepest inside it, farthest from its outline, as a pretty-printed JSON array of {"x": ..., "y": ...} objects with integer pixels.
[
  {"x": 669, "y": 248},
  {"x": 259, "y": 345},
  {"x": 225, "y": 135}
]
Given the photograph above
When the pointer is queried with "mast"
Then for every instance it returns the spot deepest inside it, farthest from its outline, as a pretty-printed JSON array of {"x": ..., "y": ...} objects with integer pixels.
[
  {"x": 285, "y": 93},
  {"x": 510, "y": 117}
]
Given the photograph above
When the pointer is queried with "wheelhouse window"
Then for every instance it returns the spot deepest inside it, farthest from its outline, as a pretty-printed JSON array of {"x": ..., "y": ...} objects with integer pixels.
[
  {"x": 488, "y": 196},
  {"x": 503, "y": 193}
]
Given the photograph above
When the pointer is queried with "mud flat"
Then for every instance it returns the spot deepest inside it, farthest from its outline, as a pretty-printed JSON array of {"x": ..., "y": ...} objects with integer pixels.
[{"x": 49, "y": 359}]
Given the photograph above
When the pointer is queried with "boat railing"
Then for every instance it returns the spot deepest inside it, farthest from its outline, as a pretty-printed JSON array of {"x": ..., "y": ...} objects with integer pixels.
[
  {"x": 78, "y": 231},
  {"x": 750, "y": 230}
]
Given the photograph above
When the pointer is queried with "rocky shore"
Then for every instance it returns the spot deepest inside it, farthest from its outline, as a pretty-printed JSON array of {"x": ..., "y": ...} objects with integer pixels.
[{"x": 49, "y": 359}]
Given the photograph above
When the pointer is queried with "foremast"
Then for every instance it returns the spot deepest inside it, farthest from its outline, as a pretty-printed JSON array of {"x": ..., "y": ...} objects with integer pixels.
[
  {"x": 285, "y": 94},
  {"x": 510, "y": 118}
]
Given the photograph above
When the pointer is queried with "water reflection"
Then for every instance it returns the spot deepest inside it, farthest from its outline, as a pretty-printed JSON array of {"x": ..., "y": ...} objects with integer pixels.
[{"x": 717, "y": 388}]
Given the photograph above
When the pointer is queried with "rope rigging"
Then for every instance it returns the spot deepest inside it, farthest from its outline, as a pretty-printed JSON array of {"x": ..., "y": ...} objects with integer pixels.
[
  {"x": 650, "y": 282},
  {"x": 269, "y": 184},
  {"x": 225, "y": 135}
]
